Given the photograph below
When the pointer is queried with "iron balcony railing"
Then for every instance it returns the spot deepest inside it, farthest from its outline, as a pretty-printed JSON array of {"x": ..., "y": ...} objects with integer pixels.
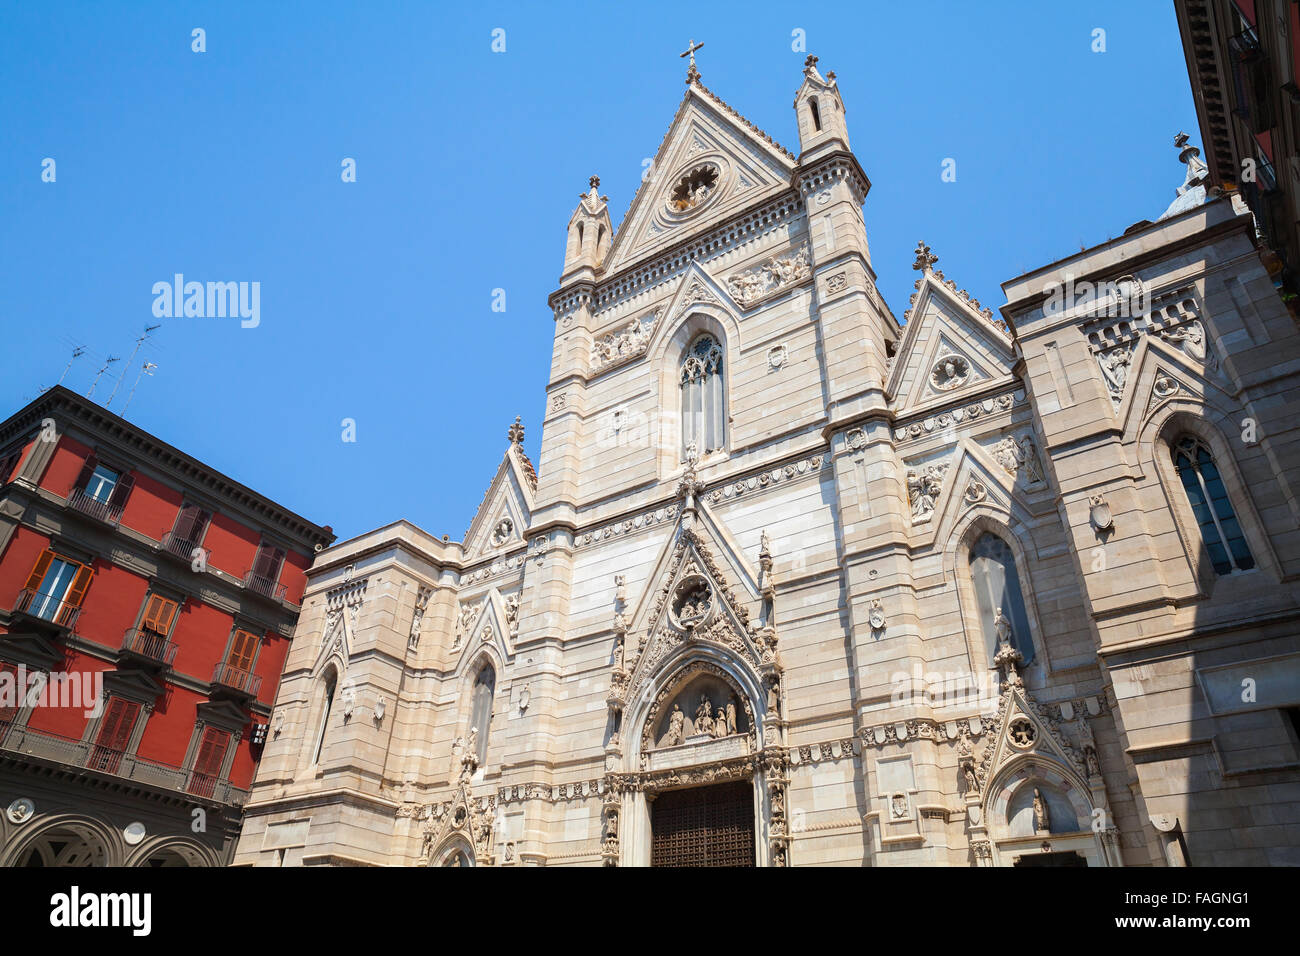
[
  {"x": 46, "y": 606},
  {"x": 144, "y": 643},
  {"x": 236, "y": 679},
  {"x": 82, "y": 753},
  {"x": 99, "y": 510},
  {"x": 264, "y": 586},
  {"x": 183, "y": 548}
]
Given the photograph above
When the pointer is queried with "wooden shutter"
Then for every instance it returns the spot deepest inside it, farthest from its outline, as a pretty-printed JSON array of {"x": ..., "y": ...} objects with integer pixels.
[
  {"x": 267, "y": 564},
  {"x": 158, "y": 614},
  {"x": 115, "y": 731},
  {"x": 8, "y": 711},
  {"x": 242, "y": 650},
  {"x": 77, "y": 592},
  {"x": 190, "y": 523},
  {"x": 212, "y": 752},
  {"x": 121, "y": 491},
  {"x": 87, "y": 470},
  {"x": 38, "y": 572}
]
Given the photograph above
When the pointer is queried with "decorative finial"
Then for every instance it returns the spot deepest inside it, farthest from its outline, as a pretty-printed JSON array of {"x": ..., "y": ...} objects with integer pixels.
[
  {"x": 692, "y": 74},
  {"x": 516, "y": 432},
  {"x": 810, "y": 63},
  {"x": 924, "y": 258},
  {"x": 594, "y": 181}
]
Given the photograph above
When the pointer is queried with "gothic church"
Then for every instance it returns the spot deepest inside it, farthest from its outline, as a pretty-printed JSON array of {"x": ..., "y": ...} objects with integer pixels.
[{"x": 796, "y": 582}]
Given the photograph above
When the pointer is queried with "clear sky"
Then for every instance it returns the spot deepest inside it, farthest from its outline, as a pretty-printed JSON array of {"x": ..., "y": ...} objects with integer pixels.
[{"x": 376, "y": 296}]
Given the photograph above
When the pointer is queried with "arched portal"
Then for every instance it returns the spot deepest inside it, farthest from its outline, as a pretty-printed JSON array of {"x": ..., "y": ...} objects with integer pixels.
[{"x": 65, "y": 845}]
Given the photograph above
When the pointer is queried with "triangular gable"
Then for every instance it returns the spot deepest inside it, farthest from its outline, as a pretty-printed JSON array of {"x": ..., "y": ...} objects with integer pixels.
[
  {"x": 692, "y": 554},
  {"x": 705, "y": 130},
  {"x": 941, "y": 322},
  {"x": 487, "y": 623},
  {"x": 509, "y": 498},
  {"x": 971, "y": 479},
  {"x": 1160, "y": 372},
  {"x": 1022, "y": 730}
]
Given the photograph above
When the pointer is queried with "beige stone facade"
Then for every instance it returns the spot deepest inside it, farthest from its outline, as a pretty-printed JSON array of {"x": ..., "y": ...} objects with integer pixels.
[{"x": 935, "y": 592}]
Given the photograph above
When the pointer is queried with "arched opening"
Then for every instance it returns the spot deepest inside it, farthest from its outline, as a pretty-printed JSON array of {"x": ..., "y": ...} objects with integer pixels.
[
  {"x": 1001, "y": 604},
  {"x": 331, "y": 684},
  {"x": 703, "y": 399},
  {"x": 816, "y": 113},
  {"x": 480, "y": 718},
  {"x": 1216, "y": 519},
  {"x": 69, "y": 845}
]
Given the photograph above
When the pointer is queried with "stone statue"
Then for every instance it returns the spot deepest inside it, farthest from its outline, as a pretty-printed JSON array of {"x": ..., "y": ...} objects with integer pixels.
[
  {"x": 1042, "y": 818},
  {"x": 774, "y": 697},
  {"x": 676, "y": 723},
  {"x": 703, "y": 722},
  {"x": 972, "y": 785},
  {"x": 731, "y": 715},
  {"x": 1003, "y": 627},
  {"x": 720, "y": 728}
]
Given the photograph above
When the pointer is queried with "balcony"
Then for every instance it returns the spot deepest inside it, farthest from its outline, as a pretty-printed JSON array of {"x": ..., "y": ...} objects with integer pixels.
[
  {"x": 99, "y": 510},
  {"x": 47, "y": 608},
  {"x": 230, "y": 678},
  {"x": 80, "y": 753},
  {"x": 264, "y": 586},
  {"x": 182, "y": 548},
  {"x": 144, "y": 645}
]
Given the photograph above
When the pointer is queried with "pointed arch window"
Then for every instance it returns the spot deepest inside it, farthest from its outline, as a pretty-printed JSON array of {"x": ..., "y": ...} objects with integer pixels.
[
  {"x": 331, "y": 683},
  {"x": 816, "y": 113},
  {"x": 480, "y": 716},
  {"x": 703, "y": 416},
  {"x": 1208, "y": 497},
  {"x": 997, "y": 589}
]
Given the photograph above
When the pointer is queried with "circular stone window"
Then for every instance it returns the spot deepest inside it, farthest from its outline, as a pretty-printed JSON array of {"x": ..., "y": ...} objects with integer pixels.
[
  {"x": 692, "y": 602},
  {"x": 1022, "y": 733},
  {"x": 694, "y": 187}
]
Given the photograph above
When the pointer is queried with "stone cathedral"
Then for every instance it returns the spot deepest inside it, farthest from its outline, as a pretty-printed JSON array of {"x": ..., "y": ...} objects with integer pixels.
[{"x": 795, "y": 582}]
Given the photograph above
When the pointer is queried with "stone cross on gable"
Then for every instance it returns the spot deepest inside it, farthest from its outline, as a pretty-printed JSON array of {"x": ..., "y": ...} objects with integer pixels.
[
  {"x": 516, "y": 432},
  {"x": 692, "y": 73},
  {"x": 924, "y": 258}
]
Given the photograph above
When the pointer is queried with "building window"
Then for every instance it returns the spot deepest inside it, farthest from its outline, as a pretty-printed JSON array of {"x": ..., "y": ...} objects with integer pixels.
[
  {"x": 997, "y": 593},
  {"x": 209, "y": 761},
  {"x": 480, "y": 718},
  {"x": 331, "y": 683},
  {"x": 1208, "y": 497},
  {"x": 55, "y": 588},
  {"x": 114, "y": 736},
  {"x": 243, "y": 648},
  {"x": 103, "y": 485},
  {"x": 703, "y": 414},
  {"x": 159, "y": 613}
]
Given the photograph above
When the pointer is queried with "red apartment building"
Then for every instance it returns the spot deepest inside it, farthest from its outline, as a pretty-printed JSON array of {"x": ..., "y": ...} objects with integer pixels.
[{"x": 134, "y": 576}]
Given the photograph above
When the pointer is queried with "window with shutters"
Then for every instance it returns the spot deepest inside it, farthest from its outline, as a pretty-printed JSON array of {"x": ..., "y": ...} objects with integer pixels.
[
  {"x": 703, "y": 411},
  {"x": 114, "y": 735},
  {"x": 55, "y": 589},
  {"x": 10, "y": 696},
  {"x": 159, "y": 614},
  {"x": 209, "y": 760},
  {"x": 1208, "y": 496},
  {"x": 101, "y": 491},
  {"x": 187, "y": 533},
  {"x": 263, "y": 577},
  {"x": 243, "y": 648}
]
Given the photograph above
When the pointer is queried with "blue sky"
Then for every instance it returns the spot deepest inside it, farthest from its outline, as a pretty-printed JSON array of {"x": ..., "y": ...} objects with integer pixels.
[{"x": 376, "y": 296}]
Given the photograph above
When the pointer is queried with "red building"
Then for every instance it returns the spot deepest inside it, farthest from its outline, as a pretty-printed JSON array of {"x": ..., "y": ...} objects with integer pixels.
[{"x": 146, "y": 606}]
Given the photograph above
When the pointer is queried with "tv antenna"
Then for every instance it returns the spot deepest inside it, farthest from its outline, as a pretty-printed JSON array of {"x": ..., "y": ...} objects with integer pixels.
[
  {"x": 77, "y": 352},
  {"x": 130, "y": 359},
  {"x": 145, "y": 369},
  {"x": 107, "y": 362}
]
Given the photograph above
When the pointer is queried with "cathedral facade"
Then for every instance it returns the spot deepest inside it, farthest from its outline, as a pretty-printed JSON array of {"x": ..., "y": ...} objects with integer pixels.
[{"x": 797, "y": 583}]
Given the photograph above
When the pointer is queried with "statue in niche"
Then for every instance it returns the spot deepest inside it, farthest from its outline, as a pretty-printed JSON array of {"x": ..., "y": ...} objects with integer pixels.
[
  {"x": 731, "y": 715},
  {"x": 774, "y": 697},
  {"x": 1002, "y": 627},
  {"x": 972, "y": 785},
  {"x": 1042, "y": 817},
  {"x": 676, "y": 727},
  {"x": 720, "y": 728},
  {"x": 703, "y": 720}
]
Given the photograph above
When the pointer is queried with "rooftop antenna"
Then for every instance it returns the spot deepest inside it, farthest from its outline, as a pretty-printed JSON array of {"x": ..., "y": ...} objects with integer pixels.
[
  {"x": 145, "y": 369},
  {"x": 77, "y": 352},
  {"x": 107, "y": 362},
  {"x": 130, "y": 359}
]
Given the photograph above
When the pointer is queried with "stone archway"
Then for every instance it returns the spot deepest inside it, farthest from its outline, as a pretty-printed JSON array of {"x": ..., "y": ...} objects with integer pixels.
[
  {"x": 66, "y": 843},
  {"x": 1038, "y": 814}
]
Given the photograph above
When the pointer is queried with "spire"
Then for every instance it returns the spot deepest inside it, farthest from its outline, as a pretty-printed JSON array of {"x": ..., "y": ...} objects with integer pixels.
[
  {"x": 692, "y": 74},
  {"x": 590, "y": 232},
  {"x": 1193, "y": 190}
]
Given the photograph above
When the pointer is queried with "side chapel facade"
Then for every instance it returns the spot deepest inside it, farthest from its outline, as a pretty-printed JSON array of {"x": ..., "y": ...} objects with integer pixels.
[{"x": 795, "y": 583}]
